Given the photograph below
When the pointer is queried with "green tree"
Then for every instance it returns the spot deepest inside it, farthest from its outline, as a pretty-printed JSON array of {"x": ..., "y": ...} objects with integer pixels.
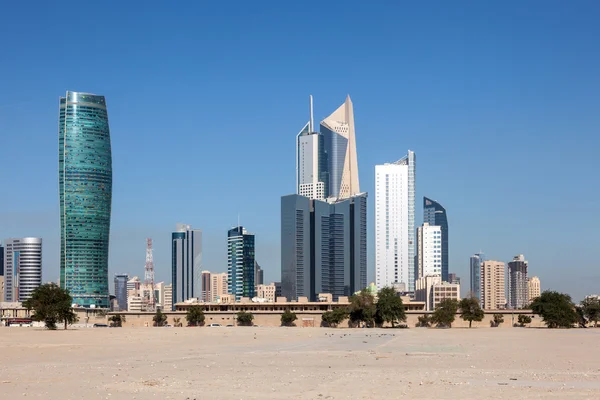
[
  {"x": 177, "y": 322},
  {"x": 195, "y": 315},
  {"x": 470, "y": 310},
  {"x": 389, "y": 307},
  {"x": 362, "y": 309},
  {"x": 498, "y": 319},
  {"x": 159, "y": 318},
  {"x": 51, "y": 304},
  {"x": 334, "y": 317},
  {"x": 444, "y": 313},
  {"x": 523, "y": 319},
  {"x": 556, "y": 309},
  {"x": 424, "y": 321},
  {"x": 591, "y": 309},
  {"x": 244, "y": 318},
  {"x": 288, "y": 318},
  {"x": 116, "y": 321}
]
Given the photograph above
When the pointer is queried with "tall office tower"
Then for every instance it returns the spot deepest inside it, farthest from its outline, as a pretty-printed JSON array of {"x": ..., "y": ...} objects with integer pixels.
[
  {"x": 133, "y": 284},
  {"x": 534, "y": 288},
  {"x": 121, "y": 291},
  {"x": 323, "y": 246},
  {"x": 340, "y": 148},
  {"x": 452, "y": 278},
  {"x": 1, "y": 259},
  {"x": 435, "y": 214},
  {"x": 312, "y": 178},
  {"x": 395, "y": 223},
  {"x": 518, "y": 289},
  {"x": 240, "y": 263},
  {"x": 258, "y": 275},
  {"x": 206, "y": 281},
  {"x": 85, "y": 195},
  {"x": 186, "y": 264},
  {"x": 167, "y": 300},
  {"x": 159, "y": 294},
  {"x": 218, "y": 286},
  {"x": 492, "y": 285},
  {"x": 475, "y": 263},
  {"x": 429, "y": 251},
  {"x": 23, "y": 268}
]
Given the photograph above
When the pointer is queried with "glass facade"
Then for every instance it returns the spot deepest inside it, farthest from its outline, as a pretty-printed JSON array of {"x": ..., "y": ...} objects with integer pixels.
[
  {"x": 121, "y": 291},
  {"x": 186, "y": 263},
  {"x": 335, "y": 146},
  {"x": 435, "y": 214},
  {"x": 85, "y": 194},
  {"x": 240, "y": 263},
  {"x": 475, "y": 263}
]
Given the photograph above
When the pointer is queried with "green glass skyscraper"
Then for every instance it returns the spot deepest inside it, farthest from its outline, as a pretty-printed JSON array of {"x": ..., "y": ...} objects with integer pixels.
[{"x": 85, "y": 190}]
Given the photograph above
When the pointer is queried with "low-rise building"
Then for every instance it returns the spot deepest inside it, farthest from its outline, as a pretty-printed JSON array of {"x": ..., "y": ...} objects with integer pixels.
[
  {"x": 266, "y": 292},
  {"x": 431, "y": 290}
]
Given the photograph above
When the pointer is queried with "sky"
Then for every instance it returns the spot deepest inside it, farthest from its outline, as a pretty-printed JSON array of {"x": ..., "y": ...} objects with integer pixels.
[{"x": 498, "y": 99}]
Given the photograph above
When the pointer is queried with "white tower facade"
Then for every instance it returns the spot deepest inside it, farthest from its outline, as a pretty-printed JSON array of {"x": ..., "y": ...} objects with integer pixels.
[{"x": 429, "y": 250}]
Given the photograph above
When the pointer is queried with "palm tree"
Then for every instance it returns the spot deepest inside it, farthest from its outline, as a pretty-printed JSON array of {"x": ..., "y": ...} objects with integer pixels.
[{"x": 177, "y": 322}]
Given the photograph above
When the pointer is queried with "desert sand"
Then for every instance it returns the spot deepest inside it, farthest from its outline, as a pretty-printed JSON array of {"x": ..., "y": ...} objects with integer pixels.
[{"x": 299, "y": 363}]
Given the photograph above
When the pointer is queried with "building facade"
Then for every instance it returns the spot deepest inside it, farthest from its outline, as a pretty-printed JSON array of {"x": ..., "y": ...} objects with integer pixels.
[
  {"x": 395, "y": 223},
  {"x": 218, "y": 287},
  {"x": 22, "y": 268},
  {"x": 85, "y": 196},
  {"x": 259, "y": 277},
  {"x": 206, "y": 283},
  {"x": 429, "y": 251},
  {"x": 312, "y": 177},
  {"x": 492, "y": 285},
  {"x": 167, "y": 300},
  {"x": 534, "y": 288},
  {"x": 435, "y": 215},
  {"x": 432, "y": 290},
  {"x": 452, "y": 277},
  {"x": 240, "y": 263},
  {"x": 266, "y": 292},
  {"x": 323, "y": 246},
  {"x": 518, "y": 287},
  {"x": 121, "y": 291},
  {"x": 186, "y": 263},
  {"x": 475, "y": 264}
]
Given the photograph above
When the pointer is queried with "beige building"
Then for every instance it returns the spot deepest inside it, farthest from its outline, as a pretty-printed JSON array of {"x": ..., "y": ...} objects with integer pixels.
[
  {"x": 167, "y": 297},
  {"x": 535, "y": 288},
  {"x": 266, "y": 292},
  {"x": 431, "y": 290},
  {"x": 134, "y": 301},
  {"x": 218, "y": 286},
  {"x": 1, "y": 287},
  {"x": 492, "y": 285}
]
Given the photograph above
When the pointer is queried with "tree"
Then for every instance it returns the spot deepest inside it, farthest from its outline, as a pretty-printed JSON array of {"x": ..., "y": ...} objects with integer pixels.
[
  {"x": 177, "y": 322},
  {"x": 362, "y": 309},
  {"x": 195, "y": 316},
  {"x": 51, "y": 304},
  {"x": 389, "y": 307},
  {"x": 591, "y": 309},
  {"x": 424, "y": 321},
  {"x": 470, "y": 310},
  {"x": 523, "y": 319},
  {"x": 556, "y": 309},
  {"x": 244, "y": 318},
  {"x": 581, "y": 320},
  {"x": 288, "y": 318},
  {"x": 159, "y": 318},
  {"x": 335, "y": 317},
  {"x": 116, "y": 321},
  {"x": 445, "y": 313},
  {"x": 498, "y": 319}
]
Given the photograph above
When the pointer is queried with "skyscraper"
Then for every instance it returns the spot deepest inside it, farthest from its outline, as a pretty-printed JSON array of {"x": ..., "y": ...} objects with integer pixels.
[
  {"x": 475, "y": 263},
  {"x": 23, "y": 268},
  {"x": 323, "y": 246},
  {"x": 395, "y": 223},
  {"x": 435, "y": 214},
  {"x": 258, "y": 274},
  {"x": 206, "y": 281},
  {"x": 121, "y": 290},
  {"x": 429, "y": 251},
  {"x": 312, "y": 178},
  {"x": 218, "y": 286},
  {"x": 534, "y": 288},
  {"x": 518, "y": 288},
  {"x": 186, "y": 263},
  {"x": 340, "y": 148},
  {"x": 240, "y": 263},
  {"x": 492, "y": 285},
  {"x": 85, "y": 195}
]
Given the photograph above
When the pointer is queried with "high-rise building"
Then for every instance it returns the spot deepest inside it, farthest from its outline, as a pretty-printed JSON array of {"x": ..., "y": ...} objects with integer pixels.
[
  {"x": 475, "y": 263},
  {"x": 432, "y": 290},
  {"x": 492, "y": 285},
  {"x": 429, "y": 251},
  {"x": 206, "y": 282},
  {"x": 277, "y": 289},
  {"x": 133, "y": 284},
  {"x": 266, "y": 292},
  {"x": 518, "y": 288},
  {"x": 23, "y": 268},
  {"x": 1, "y": 272},
  {"x": 186, "y": 263},
  {"x": 312, "y": 178},
  {"x": 121, "y": 291},
  {"x": 340, "y": 148},
  {"x": 435, "y": 214},
  {"x": 240, "y": 263},
  {"x": 453, "y": 278},
  {"x": 218, "y": 287},
  {"x": 85, "y": 196},
  {"x": 534, "y": 288},
  {"x": 395, "y": 223},
  {"x": 259, "y": 277},
  {"x": 167, "y": 300},
  {"x": 323, "y": 246},
  {"x": 159, "y": 294}
]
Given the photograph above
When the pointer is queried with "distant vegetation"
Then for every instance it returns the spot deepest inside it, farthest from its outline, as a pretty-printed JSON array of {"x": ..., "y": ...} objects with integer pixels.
[
  {"x": 195, "y": 316},
  {"x": 244, "y": 318},
  {"x": 51, "y": 305},
  {"x": 288, "y": 318}
]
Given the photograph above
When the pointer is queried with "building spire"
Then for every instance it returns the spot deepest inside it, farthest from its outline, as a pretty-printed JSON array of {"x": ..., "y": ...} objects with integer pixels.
[{"x": 311, "y": 125}]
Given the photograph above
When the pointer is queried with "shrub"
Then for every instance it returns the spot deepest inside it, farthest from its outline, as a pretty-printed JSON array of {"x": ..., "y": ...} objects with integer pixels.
[
  {"x": 288, "y": 318},
  {"x": 244, "y": 318}
]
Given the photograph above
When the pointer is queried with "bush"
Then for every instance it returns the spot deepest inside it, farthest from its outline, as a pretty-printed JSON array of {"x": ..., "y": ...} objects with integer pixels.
[
  {"x": 288, "y": 318},
  {"x": 470, "y": 310},
  {"x": 424, "y": 321},
  {"x": 244, "y": 318},
  {"x": 523, "y": 319},
  {"x": 195, "y": 316},
  {"x": 335, "y": 317},
  {"x": 556, "y": 309},
  {"x": 362, "y": 309},
  {"x": 116, "y": 321},
  {"x": 498, "y": 319},
  {"x": 159, "y": 318},
  {"x": 445, "y": 313}
]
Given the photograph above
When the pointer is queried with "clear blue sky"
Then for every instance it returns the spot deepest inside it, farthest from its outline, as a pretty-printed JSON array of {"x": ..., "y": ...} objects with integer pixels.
[{"x": 499, "y": 100}]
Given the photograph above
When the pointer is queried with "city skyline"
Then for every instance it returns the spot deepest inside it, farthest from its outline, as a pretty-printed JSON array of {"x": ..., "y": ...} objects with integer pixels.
[{"x": 482, "y": 110}]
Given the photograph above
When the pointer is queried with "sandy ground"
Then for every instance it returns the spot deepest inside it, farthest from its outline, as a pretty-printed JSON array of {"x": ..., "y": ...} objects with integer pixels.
[{"x": 299, "y": 363}]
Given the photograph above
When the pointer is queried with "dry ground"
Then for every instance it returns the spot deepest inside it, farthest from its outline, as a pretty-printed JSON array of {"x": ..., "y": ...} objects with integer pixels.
[{"x": 299, "y": 363}]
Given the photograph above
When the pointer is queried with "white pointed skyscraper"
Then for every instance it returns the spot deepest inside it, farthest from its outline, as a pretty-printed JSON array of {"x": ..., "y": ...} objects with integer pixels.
[
  {"x": 311, "y": 162},
  {"x": 340, "y": 148}
]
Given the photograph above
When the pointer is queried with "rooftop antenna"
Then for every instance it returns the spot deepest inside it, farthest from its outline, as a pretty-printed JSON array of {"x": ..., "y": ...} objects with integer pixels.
[{"x": 311, "y": 125}]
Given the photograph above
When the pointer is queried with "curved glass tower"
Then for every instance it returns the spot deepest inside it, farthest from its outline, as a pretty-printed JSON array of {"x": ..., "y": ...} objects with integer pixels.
[
  {"x": 85, "y": 189},
  {"x": 435, "y": 214}
]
